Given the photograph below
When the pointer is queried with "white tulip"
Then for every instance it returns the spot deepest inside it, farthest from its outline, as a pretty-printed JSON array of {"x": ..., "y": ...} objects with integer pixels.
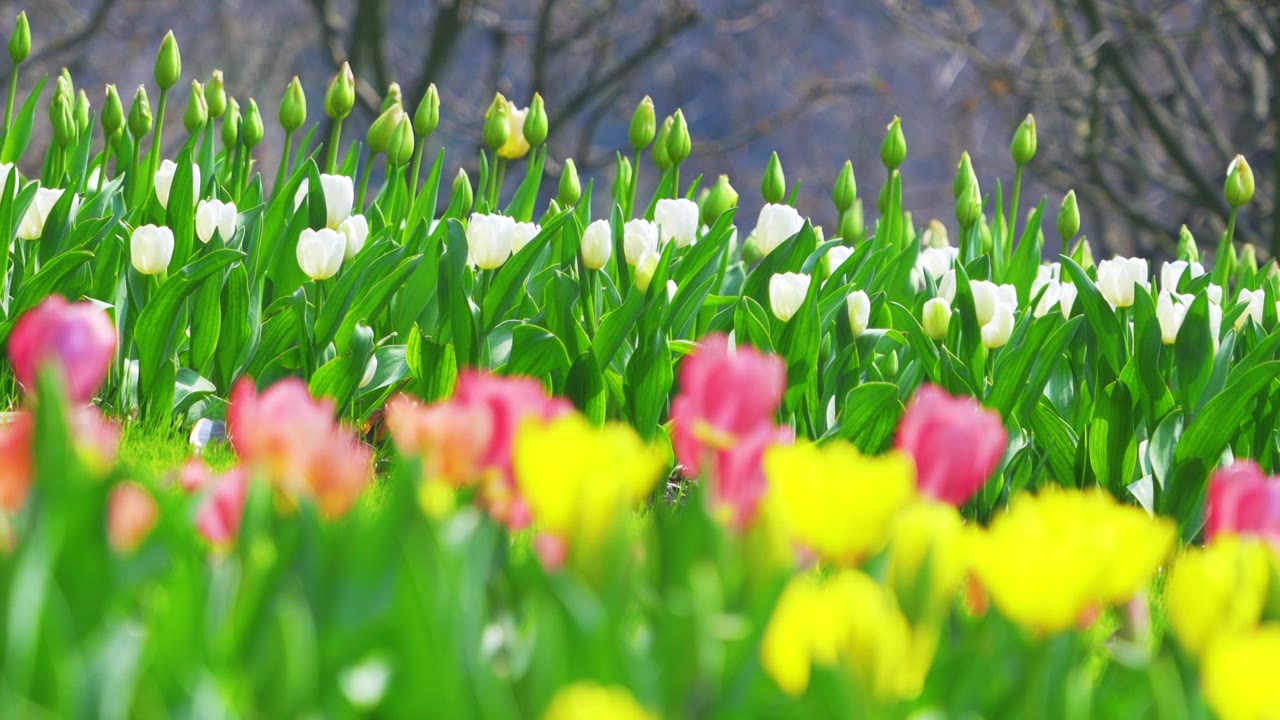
[
  {"x": 936, "y": 262},
  {"x": 1118, "y": 277},
  {"x": 671, "y": 290},
  {"x": 523, "y": 233},
  {"x": 638, "y": 238},
  {"x": 1067, "y": 293},
  {"x": 996, "y": 333},
  {"x": 339, "y": 197},
  {"x": 786, "y": 293},
  {"x": 489, "y": 239},
  {"x": 597, "y": 245},
  {"x": 985, "y": 297},
  {"x": 1050, "y": 298},
  {"x": 837, "y": 256},
  {"x": 859, "y": 311},
  {"x": 775, "y": 225},
  {"x": 936, "y": 317},
  {"x": 151, "y": 249},
  {"x": 5, "y": 169},
  {"x": 1215, "y": 323},
  {"x": 355, "y": 230},
  {"x": 677, "y": 220},
  {"x": 164, "y": 181},
  {"x": 1170, "y": 312},
  {"x": 1215, "y": 294},
  {"x": 320, "y": 252},
  {"x": 32, "y": 225},
  {"x": 216, "y": 215},
  {"x": 370, "y": 369},
  {"x": 645, "y": 269},
  {"x": 1172, "y": 272},
  {"x": 1046, "y": 275},
  {"x": 947, "y": 286},
  {"x": 1254, "y": 312}
]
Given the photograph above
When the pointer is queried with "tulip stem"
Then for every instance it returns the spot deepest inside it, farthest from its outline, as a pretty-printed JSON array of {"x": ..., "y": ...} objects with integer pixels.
[
  {"x": 635, "y": 183},
  {"x": 135, "y": 176},
  {"x": 153, "y": 158},
  {"x": 364, "y": 184},
  {"x": 590, "y": 281},
  {"x": 331, "y": 154},
  {"x": 417, "y": 168},
  {"x": 499, "y": 175},
  {"x": 13, "y": 94},
  {"x": 1011, "y": 234},
  {"x": 283, "y": 170},
  {"x": 102, "y": 169},
  {"x": 235, "y": 171}
]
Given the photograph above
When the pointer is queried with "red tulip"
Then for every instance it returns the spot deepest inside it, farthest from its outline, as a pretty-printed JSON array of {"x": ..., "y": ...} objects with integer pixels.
[
  {"x": 1244, "y": 501},
  {"x": 726, "y": 395},
  {"x": 218, "y": 517},
  {"x": 955, "y": 442},
  {"x": 77, "y": 339},
  {"x": 16, "y": 466},
  {"x": 131, "y": 513}
]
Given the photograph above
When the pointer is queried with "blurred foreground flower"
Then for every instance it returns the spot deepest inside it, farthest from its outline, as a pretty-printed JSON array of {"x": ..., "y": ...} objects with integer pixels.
[
  {"x": 131, "y": 513},
  {"x": 219, "y": 514},
  {"x": 1217, "y": 591},
  {"x": 1239, "y": 677},
  {"x": 587, "y": 701},
  {"x": 955, "y": 442},
  {"x": 78, "y": 340},
  {"x": 1244, "y": 501},
  {"x": 96, "y": 439}
]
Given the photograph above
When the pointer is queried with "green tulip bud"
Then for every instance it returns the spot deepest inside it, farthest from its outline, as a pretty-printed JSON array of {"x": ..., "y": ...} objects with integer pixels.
[
  {"x": 679, "y": 144},
  {"x": 1068, "y": 217},
  {"x": 113, "y": 113},
  {"x": 968, "y": 208},
  {"x": 965, "y": 176},
  {"x": 1248, "y": 258},
  {"x": 231, "y": 124},
  {"x": 935, "y": 318},
  {"x": 20, "y": 41},
  {"x": 851, "y": 223},
  {"x": 341, "y": 95},
  {"x": 1187, "y": 249},
  {"x": 168, "y": 62},
  {"x": 252, "y": 130},
  {"x": 910, "y": 230},
  {"x": 64, "y": 86},
  {"x": 197, "y": 112},
  {"x": 1239, "y": 187},
  {"x": 427, "y": 116},
  {"x": 1023, "y": 146},
  {"x": 719, "y": 200},
  {"x": 535, "y": 122},
  {"x": 462, "y": 189},
  {"x": 393, "y": 97},
  {"x": 81, "y": 112},
  {"x": 382, "y": 129},
  {"x": 570, "y": 186},
  {"x": 400, "y": 149},
  {"x": 751, "y": 250},
  {"x": 893, "y": 151},
  {"x": 215, "y": 95},
  {"x": 660, "y": 156},
  {"x": 553, "y": 208},
  {"x": 773, "y": 186},
  {"x": 62, "y": 117},
  {"x": 644, "y": 123},
  {"x": 497, "y": 126},
  {"x": 845, "y": 190},
  {"x": 622, "y": 180},
  {"x": 293, "y": 107},
  {"x": 984, "y": 234},
  {"x": 140, "y": 114},
  {"x": 1083, "y": 254}
]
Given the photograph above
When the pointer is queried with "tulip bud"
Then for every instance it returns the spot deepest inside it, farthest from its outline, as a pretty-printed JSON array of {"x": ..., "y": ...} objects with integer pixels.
[
  {"x": 845, "y": 190},
  {"x": 197, "y": 113},
  {"x": 644, "y": 123},
  {"x": 63, "y": 120},
  {"x": 168, "y": 62},
  {"x": 1187, "y": 250},
  {"x": 151, "y": 249},
  {"x": 320, "y": 252},
  {"x": 645, "y": 268},
  {"x": 427, "y": 116},
  {"x": 553, "y": 207},
  {"x": 1083, "y": 254},
  {"x": 535, "y": 123},
  {"x": 660, "y": 157},
  {"x": 252, "y": 130},
  {"x": 81, "y": 112},
  {"x": 1023, "y": 145},
  {"x": 462, "y": 188},
  {"x": 969, "y": 208},
  {"x": 851, "y": 223},
  {"x": 215, "y": 95},
  {"x": 1239, "y": 186},
  {"x": 113, "y": 114},
  {"x": 394, "y": 96},
  {"x": 384, "y": 128},
  {"x": 773, "y": 187},
  {"x": 570, "y": 186},
  {"x": 1068, "y": 217},
  {"x": 936, "y": 318},
  {"x": 719, "y": 200},
  {"x": 20, "y": 41},
  {"x": 597, "y": 245},
  {"x": 623, "y": 177},
  {"x": 64, "y": 86},
  {"x": 859, "y": 311},
  {"x": 341, "y": 95},
  {"x": 400, "y": 149},
  {"x": 893, "y": 151},
  {"x": 679, "y": 144},
  {"x": 497, "y": 126},
  {"x": 231, "y": 124},
  {"x": 293, "y": 107},
  {"x": 965, "y": 176},
  {"x": 140, "y": 114},
  {"x": 786, "y": 294},
  {"x": 1248, "y": 259}
]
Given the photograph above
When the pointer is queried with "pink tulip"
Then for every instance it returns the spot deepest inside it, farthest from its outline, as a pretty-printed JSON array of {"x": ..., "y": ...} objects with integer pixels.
[
  {"x": 738, "y": 481},
  {"x": 218, "y": 517},
  {"x": 78, "y": 339},
  {"x": 508, "y": 400},
  {"x": 955, "y": 442},
  {"x": 194, "y": 475},
  {"x": 16, "y": 467},
  {"x": 726, "y": 394},
  {"x": 131, "y": 513},
  {"x": 1244, "y": 501},
  {"x": 453, "y": 440}
]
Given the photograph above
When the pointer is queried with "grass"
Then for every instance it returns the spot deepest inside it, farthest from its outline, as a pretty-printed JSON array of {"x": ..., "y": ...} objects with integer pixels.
[{"x": 154, "y": 452}]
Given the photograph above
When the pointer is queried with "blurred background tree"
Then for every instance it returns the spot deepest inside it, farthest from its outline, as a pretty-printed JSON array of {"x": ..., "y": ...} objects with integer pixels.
[{"x": 1140, "y": 103}]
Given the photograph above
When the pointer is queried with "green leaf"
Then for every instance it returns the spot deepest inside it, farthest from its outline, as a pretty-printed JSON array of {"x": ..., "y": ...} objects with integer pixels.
[
  {"x": 1026, "y": 258},
  {"x": 535, "y": 352},
  {"x": 189, "y": 389},
  {"x": 456, "y": 306},
  {"x": 339, "y": 378},
  {"x": 648, "y": 383},
  {"x": 1112, "y": 453},
  {"x": 870, "y": 416},
  {"x": 432, "y": 365},
  {"x": 586, "y": 388},
  {"x": 19, "y": 134},
  {"x": 508, "y": 281},
  {"x": 615, "y": 326},
  {"x": 1106, "y": 328},
  {"x": 1058, "y": 440},
  {"x": 374, "y": 300},
  {"x": 1013, "y": 366},
  {"x": 1193, "y": 351}
]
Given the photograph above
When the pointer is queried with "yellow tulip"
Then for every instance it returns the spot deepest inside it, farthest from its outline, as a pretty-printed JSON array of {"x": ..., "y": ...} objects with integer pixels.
[
  {"x": 1217, "y": 591},
  {"x": 928, "y": 558},
  {"x": 836, "y": 501},
  {"x": 588, "y": 701},
  {"x": 1239, "y": 675},
  {"x": 516, "y": 146}
]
